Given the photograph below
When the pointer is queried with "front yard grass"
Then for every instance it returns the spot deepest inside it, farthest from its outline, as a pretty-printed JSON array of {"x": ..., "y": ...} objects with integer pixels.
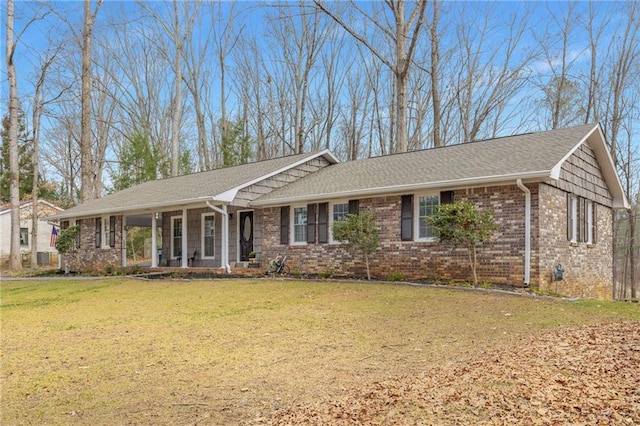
[{"x": 123, "y": 351}]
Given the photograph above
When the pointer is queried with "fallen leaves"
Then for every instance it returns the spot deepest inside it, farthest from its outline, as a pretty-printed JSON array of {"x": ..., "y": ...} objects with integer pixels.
[{"x": 586, "y": 375}]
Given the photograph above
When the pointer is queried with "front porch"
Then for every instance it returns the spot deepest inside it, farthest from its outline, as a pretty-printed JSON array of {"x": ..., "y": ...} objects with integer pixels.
[{"x": 212, "y": 236}]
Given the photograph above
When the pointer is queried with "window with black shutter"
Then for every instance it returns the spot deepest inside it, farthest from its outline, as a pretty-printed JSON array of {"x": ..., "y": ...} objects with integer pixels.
[
  {"x": 284, "y": 225},
  {"x": 311, "y": 223},
  {"x": 406, "y": 220},
  {"x": 98, "y": 231},
  {"x": 323, "y": 223},
  {"x": 112, "y": 231}
]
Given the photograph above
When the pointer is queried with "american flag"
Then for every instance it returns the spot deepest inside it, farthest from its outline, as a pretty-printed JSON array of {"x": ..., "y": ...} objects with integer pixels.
[{"x": 54, "y": 237}]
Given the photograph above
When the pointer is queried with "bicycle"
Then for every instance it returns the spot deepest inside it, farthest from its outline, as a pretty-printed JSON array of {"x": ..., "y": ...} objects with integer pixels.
[{"x": 278, "y": 266}]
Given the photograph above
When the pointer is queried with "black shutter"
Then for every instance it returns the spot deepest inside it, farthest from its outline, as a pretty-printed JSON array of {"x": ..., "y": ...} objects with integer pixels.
[
  {"x": 311, "y": 223},
  {"x": 112, "y": 231},
  {"x": 354, "y": 207},
  {"x": 98, "y": 231},
  {"x": 284, "y": 225},
  {"x": 323, "y": 223},
  {"x": 446, "y": 197},
  {"x": 406, "y": 221}
]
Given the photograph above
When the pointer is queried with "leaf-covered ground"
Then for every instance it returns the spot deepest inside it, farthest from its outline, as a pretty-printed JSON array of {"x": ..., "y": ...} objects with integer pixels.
[{"x": 578, "y": 375}]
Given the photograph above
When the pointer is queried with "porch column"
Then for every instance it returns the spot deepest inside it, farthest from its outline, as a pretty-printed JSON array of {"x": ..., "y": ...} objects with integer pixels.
[
  {"x": 154, "y": 243},
  {"x": 224, "y": 259},
  {"x": 124, "y": 241},
  {"x": 185, "y": 254}
]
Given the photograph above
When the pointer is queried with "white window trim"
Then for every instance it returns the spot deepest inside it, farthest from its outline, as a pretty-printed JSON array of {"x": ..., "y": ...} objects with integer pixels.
[
  {"x": 589, "y": 224},
  {"x": 173, "y": 220},
  {"x": 105, "y": 231},
  {"x": 331, "y": 204},
  {"x": 292, "y": 229},
  {"x": 416, "y": 216},
  {"x": 573, "y": 200},
  {"x": 202, "y": 220}
]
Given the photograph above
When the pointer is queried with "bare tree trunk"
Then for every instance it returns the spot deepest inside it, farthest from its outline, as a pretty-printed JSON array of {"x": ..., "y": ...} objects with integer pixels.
[
  {"x": 15, "y": 259},
  {"x": 435, "y": 76},
  {"x": 177, "y": 107},
  {"x": 404, "y": 36},
  {"x": 87, "y": 169}
]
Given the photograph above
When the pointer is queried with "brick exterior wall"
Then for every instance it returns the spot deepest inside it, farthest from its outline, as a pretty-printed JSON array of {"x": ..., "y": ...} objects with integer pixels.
[
  {"x": 87, "y": 257},
  {"x": 588, "y": 267},
  {"x": 501, "y": 260}
]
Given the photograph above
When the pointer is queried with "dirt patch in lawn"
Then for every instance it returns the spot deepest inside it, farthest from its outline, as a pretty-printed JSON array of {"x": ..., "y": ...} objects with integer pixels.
[{"x": 122, "y": 351}]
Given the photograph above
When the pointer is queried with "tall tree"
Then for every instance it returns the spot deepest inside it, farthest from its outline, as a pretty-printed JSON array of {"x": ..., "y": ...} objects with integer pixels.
[
  {"x": 15, "y": 260},
  {"x": 403, "y": 34},
  {"x": 87, "y": 169},
  {"x": 177, "y": 30}
]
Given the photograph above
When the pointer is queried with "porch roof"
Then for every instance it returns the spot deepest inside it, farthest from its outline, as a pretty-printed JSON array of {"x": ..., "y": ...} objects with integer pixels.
[
  {"x": 215, "y": 185},
  {"x": 530, "y": 157}
]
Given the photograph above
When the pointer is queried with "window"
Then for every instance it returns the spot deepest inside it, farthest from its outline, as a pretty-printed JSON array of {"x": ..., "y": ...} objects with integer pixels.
[
  {"x": 106, "y": 232},
  {"x": 581, "y": 220},
  {"x": 339, "y": 211},
  {"x": 589, "y": 221},
  {"x": 572, "y": 218},
  {"x": 426, "y": 206},
  {"x": 299, "y": 225},
  {"x": 24, "y": 236},
  {"x": 176, "y": 236},
  {"x": 208, "y": 235}
]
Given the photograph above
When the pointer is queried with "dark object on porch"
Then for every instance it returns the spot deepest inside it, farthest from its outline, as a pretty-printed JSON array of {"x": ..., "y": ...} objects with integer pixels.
[{"x": 192, "y": 259}]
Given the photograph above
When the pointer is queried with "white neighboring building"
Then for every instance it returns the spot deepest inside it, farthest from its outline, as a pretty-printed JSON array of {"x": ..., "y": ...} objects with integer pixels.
[{"x": 45, "y": 209}]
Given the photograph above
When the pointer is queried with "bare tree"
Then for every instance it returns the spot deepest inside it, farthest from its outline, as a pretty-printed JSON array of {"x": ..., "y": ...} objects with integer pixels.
[
  {"x": 176, "y": 31},
  {"x": 15, "y": 260},
  {"x": 87, "y": 173},
  {"x": 39, "y": 102},
  {"x": 488, "y": 78},
  {"x": 403, "y": 34}
]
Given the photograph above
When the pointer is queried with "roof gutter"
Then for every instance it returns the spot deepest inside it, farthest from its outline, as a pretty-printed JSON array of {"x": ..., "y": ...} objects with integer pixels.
[
  {"x": 527, "y": 232},
  {"x": 448, "y": 184}
]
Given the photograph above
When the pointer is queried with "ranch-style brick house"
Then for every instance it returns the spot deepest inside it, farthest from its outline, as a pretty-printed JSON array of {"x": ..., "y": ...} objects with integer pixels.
[{"x": 553, "y": 196}]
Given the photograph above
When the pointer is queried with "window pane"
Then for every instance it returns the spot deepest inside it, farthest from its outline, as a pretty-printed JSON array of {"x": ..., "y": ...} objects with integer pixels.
[
  {"x": 209, "y": 236},
  {"x": 340, "y": 211},
  {"x": 589, "y": 221},
  {"x": 299, "y": 224},
  {"x": 105, "y": 232},
  {"x": 177, "y": 236},
  {"x": 426, "y": 207}
]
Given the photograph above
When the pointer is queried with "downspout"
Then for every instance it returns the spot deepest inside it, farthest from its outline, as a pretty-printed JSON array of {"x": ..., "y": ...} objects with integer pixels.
[
  {"x": 527, "y": 232},
  {"x": 224, "y": 258}
]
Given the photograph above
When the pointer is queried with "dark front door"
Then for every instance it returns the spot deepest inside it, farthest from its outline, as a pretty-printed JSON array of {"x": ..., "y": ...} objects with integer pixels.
[{"x": 246, "y": 235}]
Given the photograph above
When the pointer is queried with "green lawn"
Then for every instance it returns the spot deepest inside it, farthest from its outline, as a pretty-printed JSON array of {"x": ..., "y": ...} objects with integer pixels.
[{"x": 122, "y": 351}]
